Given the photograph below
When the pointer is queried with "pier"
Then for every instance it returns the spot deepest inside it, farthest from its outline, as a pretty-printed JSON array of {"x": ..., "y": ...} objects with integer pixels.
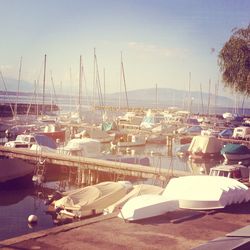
[{"x": 90, "y": 169}]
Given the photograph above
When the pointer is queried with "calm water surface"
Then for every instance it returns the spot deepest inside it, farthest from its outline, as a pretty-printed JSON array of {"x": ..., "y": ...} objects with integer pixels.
[{"x": 17, "y": 204}]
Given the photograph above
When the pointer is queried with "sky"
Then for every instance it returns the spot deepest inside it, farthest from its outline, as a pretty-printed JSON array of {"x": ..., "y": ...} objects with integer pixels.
[{"x": 162, "y": 42}]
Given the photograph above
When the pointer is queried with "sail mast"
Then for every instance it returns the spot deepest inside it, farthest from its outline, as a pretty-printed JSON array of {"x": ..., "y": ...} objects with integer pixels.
[
  {"x": 44, "y": 79},
  {"x": 124, "y": 81},
  {"x": 18, "y": 87}
]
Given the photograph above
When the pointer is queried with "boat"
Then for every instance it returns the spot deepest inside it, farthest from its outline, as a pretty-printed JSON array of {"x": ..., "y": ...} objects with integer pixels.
[
  {"x": 241, "y": 132},
  {"x": 235, "y": 152},
  {"x": 205, "y": 147},
  {"x": 15, "y": 172},
  {"x": 33, "y": 141},
  {"x": 205, "y": 192},
  {"x": 92, "y": 200},
  {"x": 137, "y": 190},
  {"x": 97, "y": 134},
  {"x": 147, "y": 206},
  {"x": 226, "y": 133},
  {"x": 54, "y": 132},
  {"x": 84, "y": 147},
  {"x": 182, "y": 151},
  {"x": 130, "y": 140},
  {"x": 235, "y": 171},
  {"x": 191, "y": 130}
]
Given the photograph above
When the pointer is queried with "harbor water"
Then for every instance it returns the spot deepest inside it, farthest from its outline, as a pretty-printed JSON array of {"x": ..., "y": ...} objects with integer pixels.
[{"x": 17, "y": 203}]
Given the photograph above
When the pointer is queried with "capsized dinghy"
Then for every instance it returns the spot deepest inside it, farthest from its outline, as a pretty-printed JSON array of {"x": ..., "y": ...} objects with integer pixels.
[
  {"x": 147, "y": 206},
  {"x": 206, "y": 192},
  {"x": 137, "y": 190}
]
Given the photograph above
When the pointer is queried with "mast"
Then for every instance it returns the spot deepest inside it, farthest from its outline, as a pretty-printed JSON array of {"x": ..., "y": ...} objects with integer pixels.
[
  {"x": 80, "y": 85},
  {"x": 44, "y": 79},
  {"x": 124, "y": 81},
  {"x": 189, "y": 92},
  {"x": 209, "y": 92},
  {"x": 18, "y": 87},
  {"x": 104, "y": 88},
  {"x": 202, "y": 104},
  {"x": 6, "y": 93},
  {"x": 156, "y": 96}
]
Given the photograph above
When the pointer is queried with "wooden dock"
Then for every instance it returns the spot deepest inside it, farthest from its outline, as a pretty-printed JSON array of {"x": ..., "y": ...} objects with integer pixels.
[{"x": 90, "y": 166}]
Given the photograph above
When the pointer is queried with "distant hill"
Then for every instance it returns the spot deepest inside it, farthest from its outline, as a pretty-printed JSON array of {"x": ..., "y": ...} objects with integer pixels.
[
  {"x": 140, "y": 97},
  {"x": 171, "y": 97}
]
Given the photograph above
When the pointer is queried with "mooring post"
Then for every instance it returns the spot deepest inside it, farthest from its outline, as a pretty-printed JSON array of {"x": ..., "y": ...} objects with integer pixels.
[{"x": 169, "y": 142}]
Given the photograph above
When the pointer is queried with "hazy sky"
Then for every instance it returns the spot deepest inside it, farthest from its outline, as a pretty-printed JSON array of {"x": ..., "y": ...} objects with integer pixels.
[{"x": 161, "y": 40}]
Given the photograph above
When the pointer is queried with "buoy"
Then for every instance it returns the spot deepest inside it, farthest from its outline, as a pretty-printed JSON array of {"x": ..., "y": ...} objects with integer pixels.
[{"x": 32, "y": 218}]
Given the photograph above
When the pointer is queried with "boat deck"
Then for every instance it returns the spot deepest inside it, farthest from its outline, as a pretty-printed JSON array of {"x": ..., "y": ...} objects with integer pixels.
[{"x": 183, "y": 229}]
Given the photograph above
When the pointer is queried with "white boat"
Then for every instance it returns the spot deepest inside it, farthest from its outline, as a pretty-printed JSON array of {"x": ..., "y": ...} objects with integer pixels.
[
  {"x": 205, "y": 146},
  {"x": 29, "y": 140},
  {"x": 137, "y": 190},
  {"x": 92, "y": 200},
  {"x": 203, "y": 192},
  {"x": 147, "y": 206},
  {"x": 235, "y": 171},
  {"x": 15, "y": 170},
  {"x": 97, "y": 134},
  {"x": 84, "y": 147}
]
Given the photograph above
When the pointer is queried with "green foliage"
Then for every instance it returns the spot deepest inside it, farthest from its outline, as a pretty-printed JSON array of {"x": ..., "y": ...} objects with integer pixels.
[{"x": 234, "y": 61}]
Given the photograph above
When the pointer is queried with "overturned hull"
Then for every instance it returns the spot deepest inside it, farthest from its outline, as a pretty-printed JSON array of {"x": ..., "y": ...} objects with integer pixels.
[
  {"x": 206, "y": 192},
  {"x": 147, "y": 206}
]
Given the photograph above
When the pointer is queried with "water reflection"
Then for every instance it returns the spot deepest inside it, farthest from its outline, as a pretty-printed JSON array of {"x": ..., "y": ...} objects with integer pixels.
[{"x": 202, "y": 167}]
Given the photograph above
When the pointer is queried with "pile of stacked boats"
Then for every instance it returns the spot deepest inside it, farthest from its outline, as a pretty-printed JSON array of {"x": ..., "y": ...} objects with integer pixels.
[{"x": 143, "y": 201}]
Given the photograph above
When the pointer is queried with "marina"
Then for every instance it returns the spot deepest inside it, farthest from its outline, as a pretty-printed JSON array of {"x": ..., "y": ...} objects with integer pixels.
[
  {"x": 56, "y": 172},
  {"x": 125, "y": 125}
]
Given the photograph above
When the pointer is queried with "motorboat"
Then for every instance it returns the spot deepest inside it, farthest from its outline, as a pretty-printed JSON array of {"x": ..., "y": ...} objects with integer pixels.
[
  {"x": 235, "y": 152},
  {"x": 235, "y": 171},
  {"x": 37, "y": 142},
  {"x": 147, "y": 206},
  {"x": 84, "y": 147},
  {"x": 92, "y": 200},
  {"x": 205, "y": 146},
  {"x": 205, "y": 192}
]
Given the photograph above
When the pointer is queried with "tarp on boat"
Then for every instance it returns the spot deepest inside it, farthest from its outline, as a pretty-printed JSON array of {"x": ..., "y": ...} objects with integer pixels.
[
  {"x": 88, "y": 146},
  {"x": 93, "y": 199},
  {"x": 233, "y": 148},
  {"x": 205, "y": 144}
]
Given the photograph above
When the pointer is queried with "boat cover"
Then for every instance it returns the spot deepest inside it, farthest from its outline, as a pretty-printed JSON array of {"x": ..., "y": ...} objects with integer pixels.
[
  {"x": 93, "y": 199},
  {"x": 233, "y": 148},
  {"x": 205, "y": 144}
]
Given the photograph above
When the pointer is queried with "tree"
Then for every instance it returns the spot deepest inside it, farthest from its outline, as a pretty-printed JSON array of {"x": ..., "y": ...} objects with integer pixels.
[{"x": 234, "y": 61}]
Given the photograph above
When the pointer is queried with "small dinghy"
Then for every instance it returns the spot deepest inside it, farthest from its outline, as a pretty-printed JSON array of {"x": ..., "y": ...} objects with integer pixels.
[
  {"x": 137, "y": 190},
  {"x": 147, "y": 206}
]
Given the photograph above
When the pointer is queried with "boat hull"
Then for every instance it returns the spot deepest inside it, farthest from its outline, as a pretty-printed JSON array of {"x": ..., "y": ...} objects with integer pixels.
[
  {"x": 147, "y": 206},
  {"x": 15, "y": 171}
]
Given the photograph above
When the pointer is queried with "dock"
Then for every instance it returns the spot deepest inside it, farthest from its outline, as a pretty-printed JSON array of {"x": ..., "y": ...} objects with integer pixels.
[
  {"x": 91, "y": 168},
  {"x": 181, "y": 229}
]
